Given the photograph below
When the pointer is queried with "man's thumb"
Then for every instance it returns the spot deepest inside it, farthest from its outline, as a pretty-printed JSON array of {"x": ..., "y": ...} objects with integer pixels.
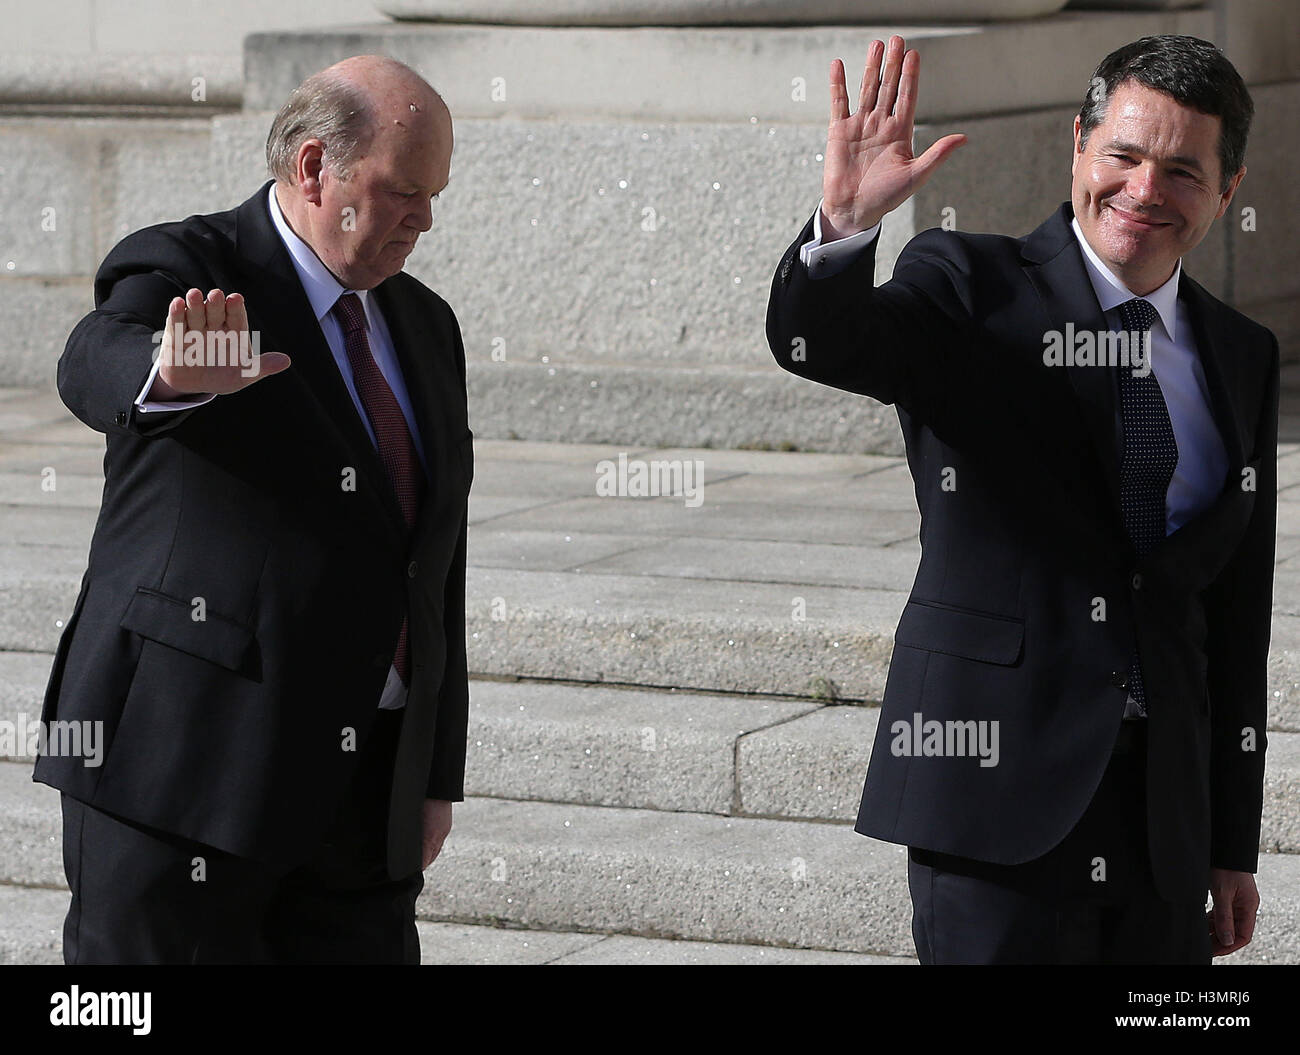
[
  {"x": 938, "y": 154},
  {"x": 271, "y": 363}
]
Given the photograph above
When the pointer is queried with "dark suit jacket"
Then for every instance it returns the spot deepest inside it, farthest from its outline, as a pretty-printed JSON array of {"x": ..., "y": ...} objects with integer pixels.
[
  {"x": 1000, "y": 622},
  {"x": 231, "y": 730}
]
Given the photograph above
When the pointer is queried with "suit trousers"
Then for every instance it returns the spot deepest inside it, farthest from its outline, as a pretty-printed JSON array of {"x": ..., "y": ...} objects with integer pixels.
[
  {"x": 140, "y": 895},
  {"x": 1091, "y": 899}
]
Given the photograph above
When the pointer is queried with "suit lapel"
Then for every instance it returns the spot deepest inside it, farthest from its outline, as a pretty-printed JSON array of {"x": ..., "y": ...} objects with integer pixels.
[
  {"x": 1057, "y": 273},
  {"x": 1212, "y": 343}
]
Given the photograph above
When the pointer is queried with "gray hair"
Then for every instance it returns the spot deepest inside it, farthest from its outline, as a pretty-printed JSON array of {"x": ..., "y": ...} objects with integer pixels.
[{"x": 324, "y": 107}]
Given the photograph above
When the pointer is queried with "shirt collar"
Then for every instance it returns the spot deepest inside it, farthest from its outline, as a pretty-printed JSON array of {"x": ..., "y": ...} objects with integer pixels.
[
  {"x": 1111, "y": 292},
  {"x": 322, "y": 288}
]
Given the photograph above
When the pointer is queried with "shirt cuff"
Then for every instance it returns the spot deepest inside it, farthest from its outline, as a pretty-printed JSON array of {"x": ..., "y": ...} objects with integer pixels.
[
  {"x": 823, "y": 261},
  {"x": 146, "y": 405}
]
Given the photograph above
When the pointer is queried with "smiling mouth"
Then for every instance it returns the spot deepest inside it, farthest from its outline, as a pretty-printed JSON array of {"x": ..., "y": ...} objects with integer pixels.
[{"x": 1133, "y": 220}]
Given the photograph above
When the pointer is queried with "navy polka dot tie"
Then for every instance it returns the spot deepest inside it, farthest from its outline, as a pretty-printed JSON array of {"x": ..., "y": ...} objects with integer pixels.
[{"x": 1150, "y": 455}]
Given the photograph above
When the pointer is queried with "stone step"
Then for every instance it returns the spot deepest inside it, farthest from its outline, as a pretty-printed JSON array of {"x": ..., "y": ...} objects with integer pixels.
[
  {"x": 666, "y": 750},
  {"x": 33, "y": 934},
  {"x": 648, "y": 873}
]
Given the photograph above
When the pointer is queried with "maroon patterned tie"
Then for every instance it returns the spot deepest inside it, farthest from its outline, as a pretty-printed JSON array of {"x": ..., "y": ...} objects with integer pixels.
[{"x": 396, "y": 448}]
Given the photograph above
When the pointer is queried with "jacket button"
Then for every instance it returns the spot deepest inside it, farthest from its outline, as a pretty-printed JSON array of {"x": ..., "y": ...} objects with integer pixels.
[
  {"x": 120, "y": 418},
  {"x": 411, "y": 569},
  {"x": 1119, "y": 678},
  {"x": 1137, "y": 580}
]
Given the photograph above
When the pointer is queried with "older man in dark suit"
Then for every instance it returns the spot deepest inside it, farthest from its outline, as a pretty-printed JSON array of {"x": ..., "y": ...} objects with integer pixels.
[
  {"x": 1093, "y": 440},
  {"x": 271, "y": 626}
]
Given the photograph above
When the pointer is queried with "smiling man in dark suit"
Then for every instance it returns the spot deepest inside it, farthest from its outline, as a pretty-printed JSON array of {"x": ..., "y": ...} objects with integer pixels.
[
  {"x": 271, "y": 626},
  {"x": 1095, "y": 587}
]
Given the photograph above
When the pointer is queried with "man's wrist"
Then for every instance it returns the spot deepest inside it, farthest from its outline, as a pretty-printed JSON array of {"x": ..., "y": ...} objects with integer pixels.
[
  {"x": 161, "y": 392},
  {"x": 833, "y": 232}
]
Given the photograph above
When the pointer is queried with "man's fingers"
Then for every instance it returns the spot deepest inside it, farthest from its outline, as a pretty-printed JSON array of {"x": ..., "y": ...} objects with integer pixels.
[
  {"x": 1245, "y": 925},
  {"x": 871, "y": 77},
  {"x": 905, "y": 107},
  {"x": 175, "y": 314},
  {"x": 1247, "y": 906},
  {"x": 1223, "y": 928},
  {"x": 889, "y": 81},
  {"x": 215, "y": 305},
  {"x": 196, "y": 315},
  {"x": 839, "y": 92},
  {"x": 236, "y": 313}
]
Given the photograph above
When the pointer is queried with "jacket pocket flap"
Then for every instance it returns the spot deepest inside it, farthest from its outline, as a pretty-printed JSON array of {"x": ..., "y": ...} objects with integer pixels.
[
  {"x": 169, "y": 621},
  {"x": 957, "y": 632}
]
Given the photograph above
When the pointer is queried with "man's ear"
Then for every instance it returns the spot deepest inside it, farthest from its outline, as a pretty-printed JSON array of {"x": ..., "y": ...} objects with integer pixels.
[
  {"x": 1074, "y": 158},
  {"x": 1226, "y": 198},
  {"x": 310, "y": 161}
]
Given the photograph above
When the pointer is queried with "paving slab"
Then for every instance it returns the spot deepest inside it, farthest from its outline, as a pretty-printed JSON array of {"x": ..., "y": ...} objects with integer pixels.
[
  {"x": 31, "y": 925},
  {"x": 714, "y": 518},
  {"x": 1284, "y": 674},
  {"x": 464, "y": 945},
  {"x": 31, "y": 847},
  {"x": 882, "y": 489},
  {"x": 740, "y": 560},
  {"x": 66, "y": 432},
  {"x": 23, "y": 677},
  {"x": 38, "y": 589},
  {"x": 550, "y": 451},
  {"x": 504, "y": 477},
  {"x": 791, "y": 466},
  {"x": 1280, "y": 822},
  {"x": 51, "y": 487},
  {"x": 65, "y": 458},
  {"x": 489, "y": 547},
  {"x": 1277, "y": 927},
  {"x": 49, "y": 525},
  {"x": 23, "y": 409},
  {"x": 619, "y": 949}
]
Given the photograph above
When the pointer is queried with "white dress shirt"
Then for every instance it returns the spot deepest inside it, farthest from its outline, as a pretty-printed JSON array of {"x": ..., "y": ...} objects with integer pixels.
[{"x": 323, "y": 291}]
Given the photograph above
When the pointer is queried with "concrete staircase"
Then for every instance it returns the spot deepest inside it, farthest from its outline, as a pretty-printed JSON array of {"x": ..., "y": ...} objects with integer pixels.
[{"x": 671, "y": 713}]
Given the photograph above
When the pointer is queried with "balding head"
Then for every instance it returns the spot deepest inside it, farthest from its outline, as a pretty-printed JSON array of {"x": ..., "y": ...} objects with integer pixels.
[
  {"x": 357, "y": 151},
  {"x": 346, "y": 105}
]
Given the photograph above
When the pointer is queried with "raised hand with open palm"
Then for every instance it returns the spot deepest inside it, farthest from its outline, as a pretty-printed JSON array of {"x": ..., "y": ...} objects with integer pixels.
[{"x": 869, "y": 166}]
